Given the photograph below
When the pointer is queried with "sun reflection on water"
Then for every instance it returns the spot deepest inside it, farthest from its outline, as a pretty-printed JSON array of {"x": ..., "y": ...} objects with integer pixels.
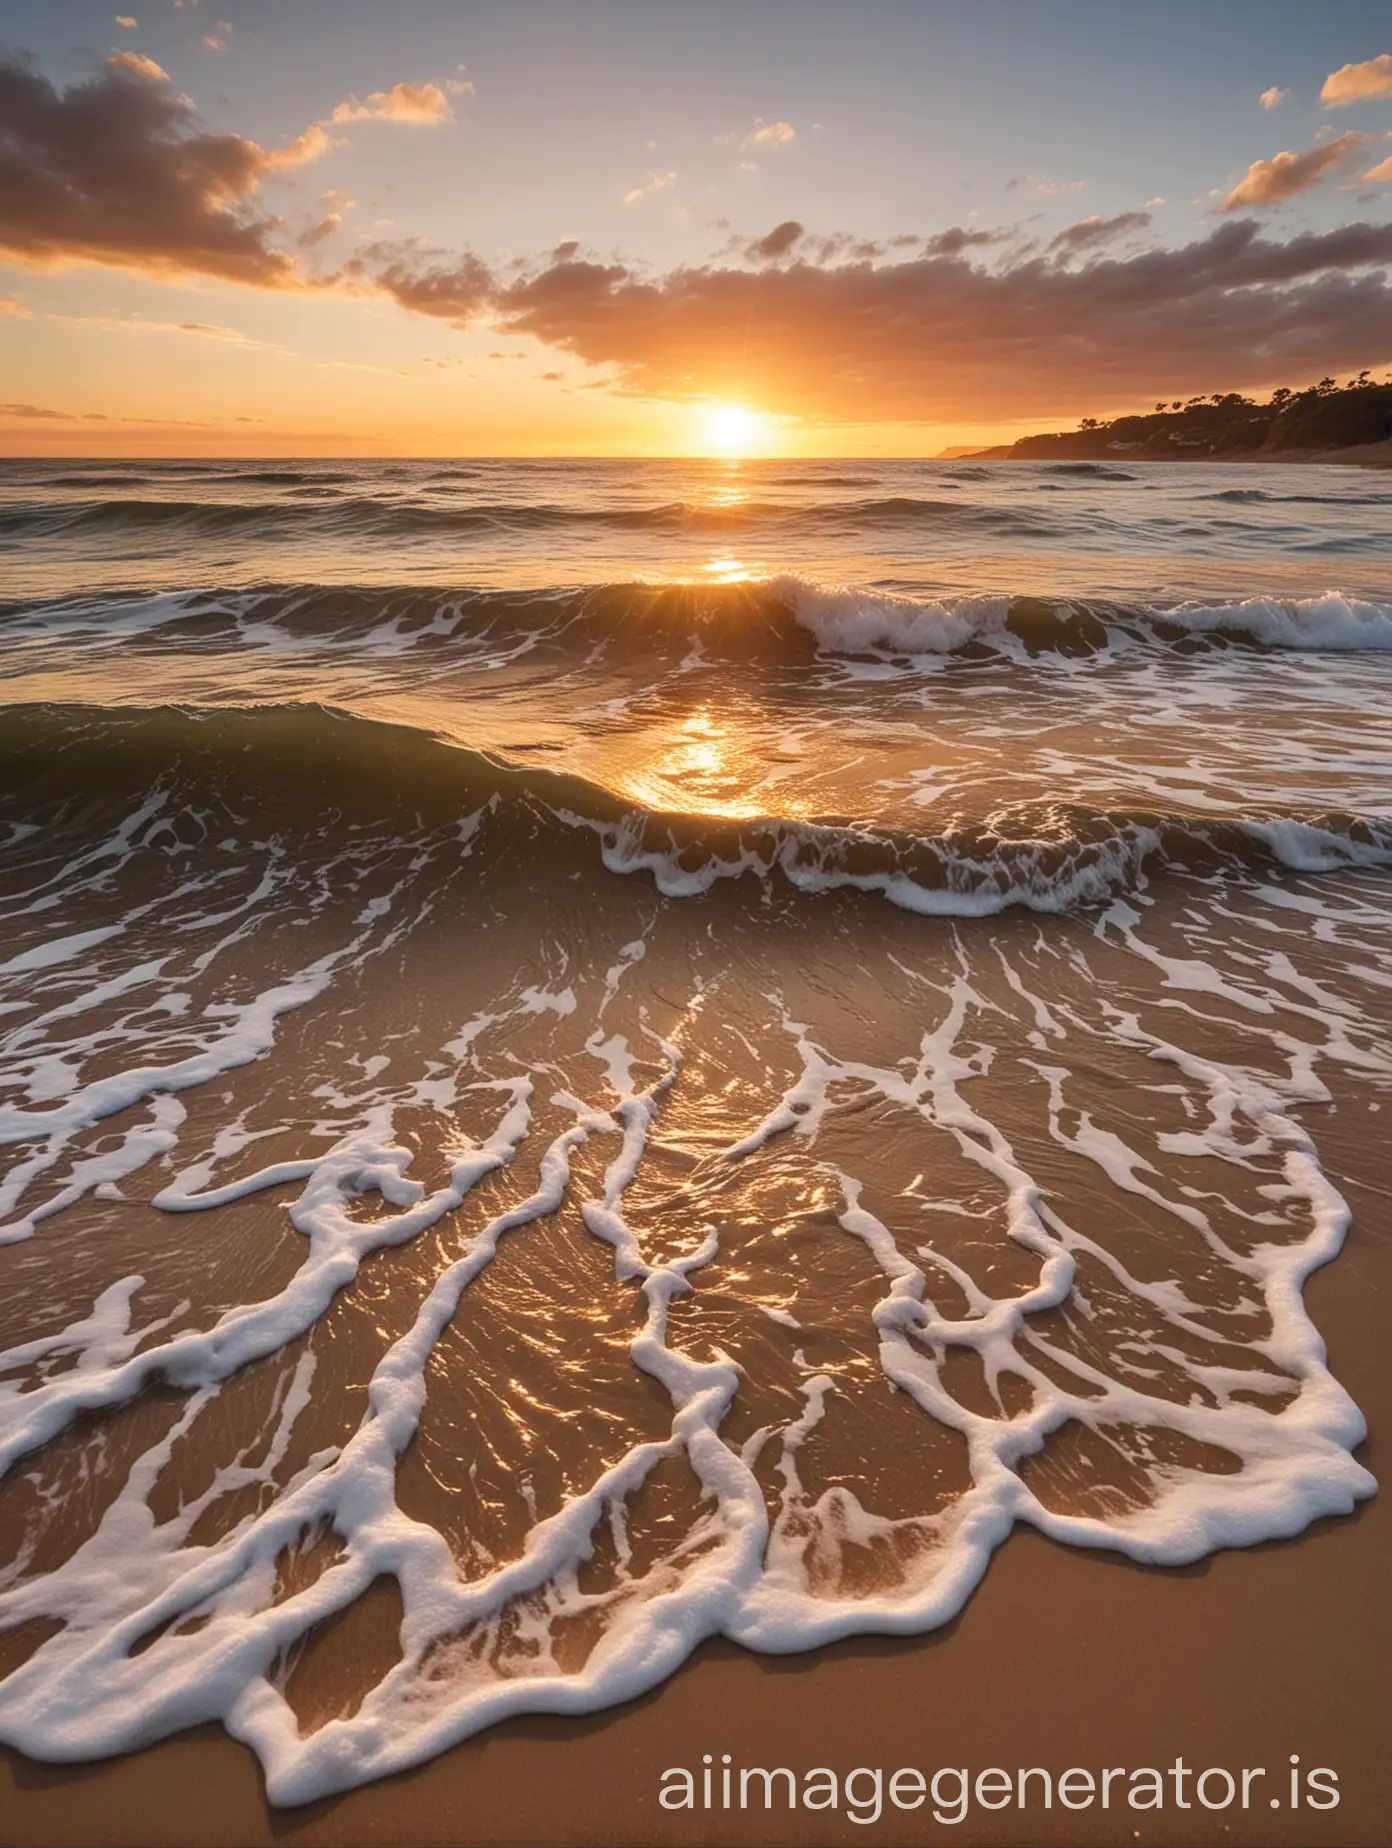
[
  {"x": 729, "y": 570},
  {"x": 702, "y": 765}
]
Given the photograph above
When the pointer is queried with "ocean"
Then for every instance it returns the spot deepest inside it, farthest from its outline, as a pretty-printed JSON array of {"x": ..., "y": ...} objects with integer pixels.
[{"x": 597, "y": 1054}]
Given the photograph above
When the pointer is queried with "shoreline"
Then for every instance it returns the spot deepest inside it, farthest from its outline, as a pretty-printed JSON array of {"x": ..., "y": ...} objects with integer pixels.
[
  {"x": 1061, "y": 1658},
  {"x": 1362, "y": 455}
]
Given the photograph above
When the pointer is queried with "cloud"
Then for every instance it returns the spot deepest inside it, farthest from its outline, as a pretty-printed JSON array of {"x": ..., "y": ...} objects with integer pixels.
[
  {"x": 769, "y": 134},
  {"x": 37, "y": 410},
  {"x": 1357, "y": 83},
  {"x": 1383, "y": 170},
  {"x": 952, "y": 242},
  {"x": 331, "y": 222},
  {"x": 126, "y": 22},
  {"x": 1088, "y": 233},
  {"x": 313, "y": 144},
  {"x": 1050, "y": 188},
  {"x": 12, "y": 305},
  {"x": 761, "y": 135},
  {"x": 942, "y": 338},
  {"x": 118, "y": 170},
  {"x": 219, "y": 39},
  {"x": 655, "y": 183},
  {"x": 413, "y": 275},
  {"x": 1268, "y": 182},
  {"x": 137, "y": 324},
  {"x": 422, "y": 104},
  {"x": 135, "y": 64},
  {"x": 778, "y": 243},
  {"x": 1272, "y": 98}
]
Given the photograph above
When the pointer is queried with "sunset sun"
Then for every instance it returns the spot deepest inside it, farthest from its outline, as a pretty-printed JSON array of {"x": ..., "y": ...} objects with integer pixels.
[{"x": 732, "y": 429}]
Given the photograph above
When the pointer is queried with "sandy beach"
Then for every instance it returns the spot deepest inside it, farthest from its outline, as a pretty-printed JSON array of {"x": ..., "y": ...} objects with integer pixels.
[{"x": 1062, "y": 1658}]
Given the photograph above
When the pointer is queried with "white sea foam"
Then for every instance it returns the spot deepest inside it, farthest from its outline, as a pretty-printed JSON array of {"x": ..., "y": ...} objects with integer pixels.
[
  {"x": 1331, "y": 623},
  {"x": 1046, "y": 875},
  {"x": 850, "y": 620},
  {"x": 743, "y": 1571}
]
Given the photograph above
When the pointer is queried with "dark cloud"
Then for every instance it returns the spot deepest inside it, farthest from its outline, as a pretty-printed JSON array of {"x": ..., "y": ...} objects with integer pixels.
[
  {"x": 116, "y": 170},
  {"x": 36, "y": 410},
  {"x": 939, "y": 337},
  {"x": 454, "y": 290},
  {"x": 1088, "y": 233},
  {"x": 327, "y": 225},
  {"x": 953, "y": 242},
  {"x": 778, "y": 242}
]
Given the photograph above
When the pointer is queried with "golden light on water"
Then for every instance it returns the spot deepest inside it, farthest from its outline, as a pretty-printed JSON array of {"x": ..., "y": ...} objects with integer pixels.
[
  {"x": 702, "y": 764},
  {"x": 730, "y": 570}
]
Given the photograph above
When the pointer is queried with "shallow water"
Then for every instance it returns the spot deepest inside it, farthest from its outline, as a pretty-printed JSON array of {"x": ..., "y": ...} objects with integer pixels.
[{"x": 595, "y": 1054}]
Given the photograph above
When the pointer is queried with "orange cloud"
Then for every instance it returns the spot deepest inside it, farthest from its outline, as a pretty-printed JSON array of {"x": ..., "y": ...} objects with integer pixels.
[
  {"x": 135, "y": 64},
  {"x": 941, "y": 338},
  {"x": 1268, "y": 182},
  {"x": 1357, "y": 83},
  {"x": 769, "y": 134},
  {"x": 313, "y": 143},
  {"x": 1272, "y": 98},
  {"x": 422, "y": 104}
]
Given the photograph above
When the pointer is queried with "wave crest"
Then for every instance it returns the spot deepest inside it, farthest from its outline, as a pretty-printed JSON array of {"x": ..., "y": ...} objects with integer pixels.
[{"x": 290, "y": 767}]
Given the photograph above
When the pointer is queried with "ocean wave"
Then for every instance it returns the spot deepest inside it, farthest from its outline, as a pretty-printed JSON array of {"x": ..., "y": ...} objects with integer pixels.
[
  {"x": 366, "y": 517},
  {"x": 311, "y": 761},
  {"x": 785, "y": 620},
  {"x": 1090, "y": 471},
  {"x": 853, "y": 621}
]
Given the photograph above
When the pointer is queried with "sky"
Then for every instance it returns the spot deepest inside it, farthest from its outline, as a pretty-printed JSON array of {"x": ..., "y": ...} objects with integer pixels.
[{"x": 619, "y": 227}]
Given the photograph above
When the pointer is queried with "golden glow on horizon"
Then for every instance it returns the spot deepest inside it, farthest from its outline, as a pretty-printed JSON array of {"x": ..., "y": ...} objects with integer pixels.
[{"x": 733, "y": 429}]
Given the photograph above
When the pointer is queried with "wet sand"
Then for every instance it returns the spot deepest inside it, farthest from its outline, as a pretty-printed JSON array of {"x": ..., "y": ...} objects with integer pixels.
[
  {"x": 1040, "y": 1160},
  {"x": 1060, "y": 1659}
]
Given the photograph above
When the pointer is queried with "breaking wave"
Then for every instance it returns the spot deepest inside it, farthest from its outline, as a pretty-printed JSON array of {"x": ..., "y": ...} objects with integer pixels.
[
  {"x": 171, "y": 766},
  {"x": 784, "y": 619}
]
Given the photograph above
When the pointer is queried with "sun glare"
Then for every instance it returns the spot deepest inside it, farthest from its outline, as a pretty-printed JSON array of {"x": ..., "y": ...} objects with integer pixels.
[{"x": 731, "y": 429}]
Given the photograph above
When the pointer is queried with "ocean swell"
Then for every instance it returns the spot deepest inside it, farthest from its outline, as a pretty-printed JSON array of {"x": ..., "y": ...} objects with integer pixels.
[
  {"x": 783, "y": 620},
  {"x": 298, "y": 767}
]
